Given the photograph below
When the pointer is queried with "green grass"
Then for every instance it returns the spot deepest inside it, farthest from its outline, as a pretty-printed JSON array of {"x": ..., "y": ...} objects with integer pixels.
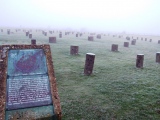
[{"x": 116, "y": 90}]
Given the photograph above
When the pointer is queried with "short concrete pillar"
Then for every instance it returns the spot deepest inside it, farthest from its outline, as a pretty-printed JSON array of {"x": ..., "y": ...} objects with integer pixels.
[
  {"x": 139, "y": 60},
  {"x": 133, "y": 42},
  {"x": 145, "y": 39},
  {"x": 158, "y": 57},
  {"x": 1, "y": 30},
  {"x": 158, "y": 41},
  {"x": 99, "y": 36},
  {"x": 150, "y": 40},
  {"x": 126, "y": 44},
  {"x": 74, "y": 50},
  {"x": 52, "y": 39},
  {"x": 8, "y": 31},
  {"x": 137, "y": 38},
  {"x": 33, "y": 42},
  {"x": 45, "y": 33},
  {"x": 60, "y": 35},
  {"x": 27, "y": 33},
  {"x": 89, "y": 63},
  {"x": 50, "y": 32},
  {"x": 119, "y": 36},
  {"x": 30, "y": 35},
  {"x": 114, "y": 47},
  {"x": 141, "y": 38},
  {"x": 90, "y": 38},
  {"x": 77, "y": 35},
  {"x": 80, "y": 34},
  {"x": 128, "y": 38}
]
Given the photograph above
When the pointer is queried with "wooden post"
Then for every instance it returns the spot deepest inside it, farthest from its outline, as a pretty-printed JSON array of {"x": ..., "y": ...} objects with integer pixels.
[
  {"x": 90, "y": 38},
  {"x": 89, "y": 63},
  {"x": 60, "y": 35},
  {"x": 133, "y": 42},
  {"x": 33, "y": 42},
  {"x": 158, "y": 57},
  {"x": 126, "y": 44},
  {"x": 139, "y": 60},
  {"x": 74, "y": 50},
  {"x": 30, "y": 35},
  {"x": 52, "y": 39},
  {"x": 114, "y": 47}
]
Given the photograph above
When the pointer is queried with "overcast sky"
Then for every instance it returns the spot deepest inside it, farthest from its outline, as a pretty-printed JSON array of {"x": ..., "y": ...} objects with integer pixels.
[{"x": 137, "y": 16}]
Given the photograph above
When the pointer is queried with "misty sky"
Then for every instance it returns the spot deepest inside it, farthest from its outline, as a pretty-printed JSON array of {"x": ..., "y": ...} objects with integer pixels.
[{"x": 137, "y": 16}]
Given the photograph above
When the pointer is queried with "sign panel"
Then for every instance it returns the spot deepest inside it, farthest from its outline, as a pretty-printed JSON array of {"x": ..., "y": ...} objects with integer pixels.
[{"x": 28, "y": 85}]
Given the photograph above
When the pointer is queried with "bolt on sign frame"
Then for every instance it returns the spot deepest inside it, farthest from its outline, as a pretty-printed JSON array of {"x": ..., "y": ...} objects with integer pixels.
[{"x": 19, "y": 111}]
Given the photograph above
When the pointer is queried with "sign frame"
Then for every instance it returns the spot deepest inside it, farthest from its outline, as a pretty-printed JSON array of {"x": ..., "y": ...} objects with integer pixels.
[{"x": 3, "y": 76}]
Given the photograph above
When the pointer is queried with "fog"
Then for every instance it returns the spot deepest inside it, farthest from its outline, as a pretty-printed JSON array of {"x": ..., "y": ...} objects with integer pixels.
[{"x": 131, "y": 16}]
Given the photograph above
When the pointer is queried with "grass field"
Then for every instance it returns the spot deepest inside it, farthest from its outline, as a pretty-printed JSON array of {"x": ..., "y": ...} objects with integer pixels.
[{"x": 116, "y": 90}]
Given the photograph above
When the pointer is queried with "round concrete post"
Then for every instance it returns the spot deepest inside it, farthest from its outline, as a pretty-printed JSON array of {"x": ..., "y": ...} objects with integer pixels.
[
  {"x": 89, "y": 63},
  {"x": 33, "y": 42},
  {"x": 52, "y": 39},
  {"x": 90, "y": 38},
  {"x": 27, "y": 33},
  {"x": 74, "y": 50},
  {"x": 158, "y": 57},
  {"x": 8, "y": 31},
  {"x": 30, "y": 35},
  {"x": 60, "y": 35},
  {"x": 99, "y": 36},
  {"x": 45, "y": 33},
  {"x": 114, "y": 47},
  {"x": 128, "y": 38},
  {"x": 133, "y": 42},
  {"x": 139, "y": 60},
  {"x": 126, "y": 44},
  {"x": 150, "y": 40},
  {"x": 77, "y": 35}
]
